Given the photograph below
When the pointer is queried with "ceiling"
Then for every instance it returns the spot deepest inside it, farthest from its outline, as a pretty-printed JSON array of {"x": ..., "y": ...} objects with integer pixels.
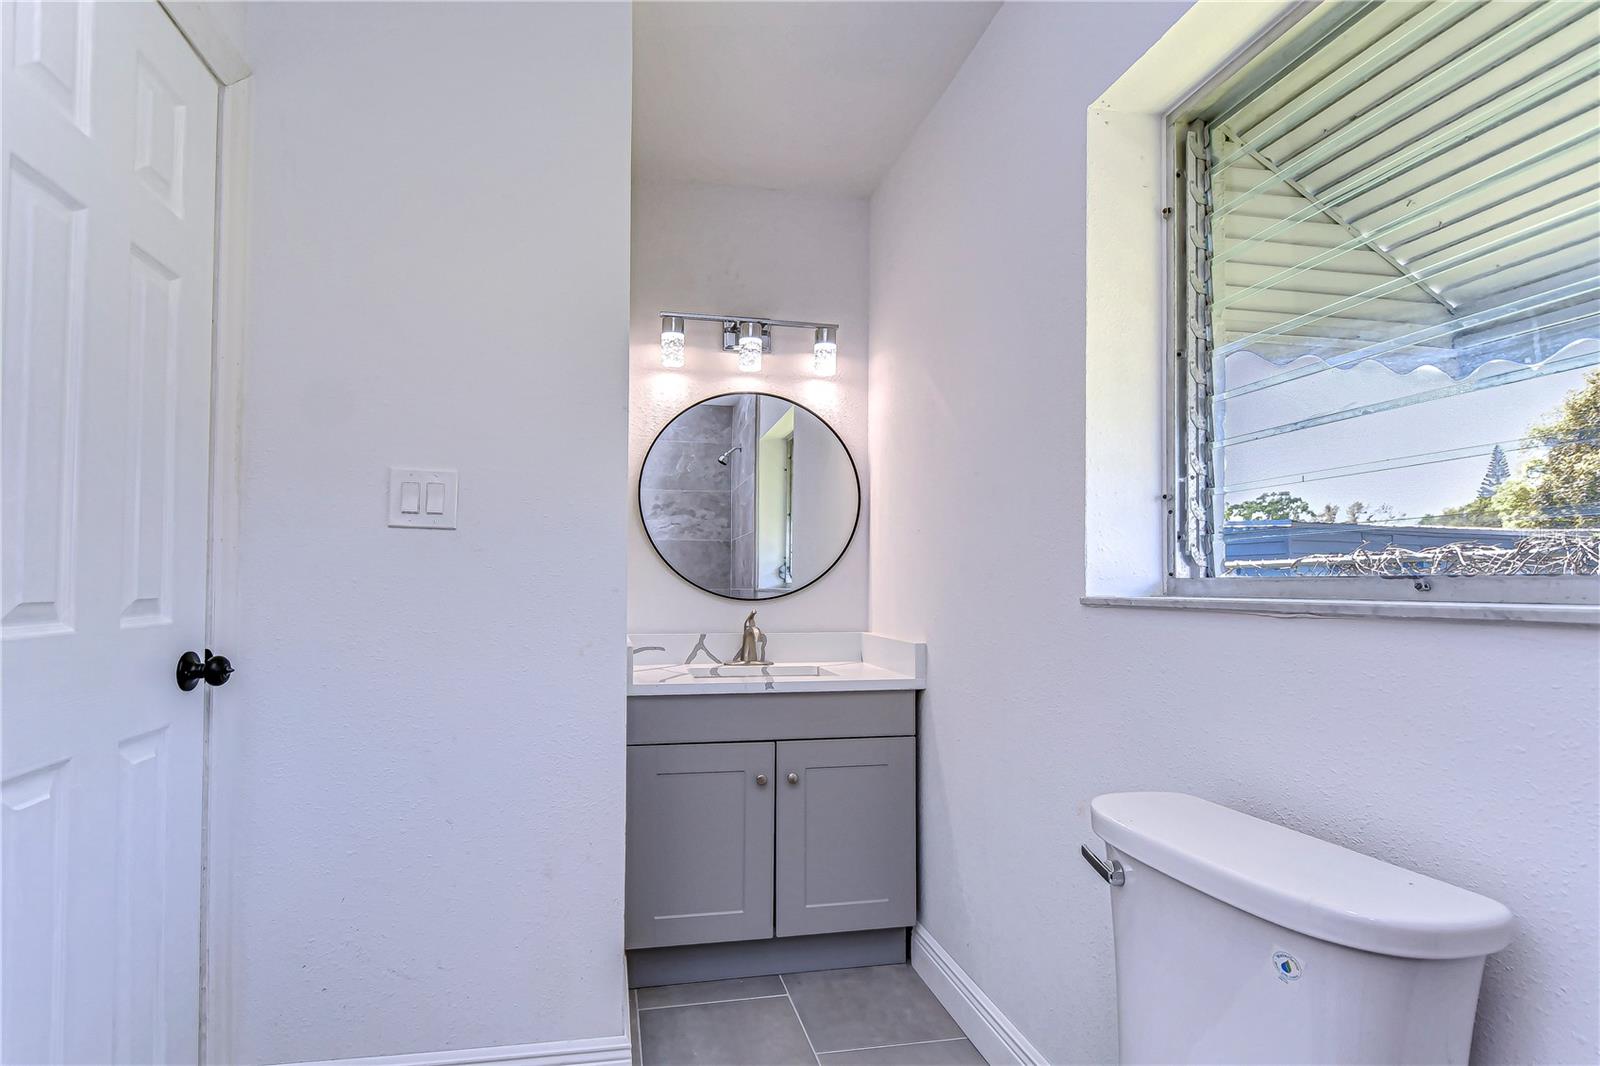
[{"x": 814, "y": 97}]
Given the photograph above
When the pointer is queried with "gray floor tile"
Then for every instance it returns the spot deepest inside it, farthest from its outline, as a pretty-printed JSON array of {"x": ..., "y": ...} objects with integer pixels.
[
  {"x": 633, "y": 1026},
  {"x": 868, "y": 1007},
  {"x": 941, "y": 1053},
  {"x": 747, "y": 1032},
  {"x": 709, "y": 991}
]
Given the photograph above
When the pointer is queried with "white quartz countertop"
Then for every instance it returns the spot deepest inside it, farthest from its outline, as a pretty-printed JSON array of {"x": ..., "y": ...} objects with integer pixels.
[{"x": 844, "y": 662}]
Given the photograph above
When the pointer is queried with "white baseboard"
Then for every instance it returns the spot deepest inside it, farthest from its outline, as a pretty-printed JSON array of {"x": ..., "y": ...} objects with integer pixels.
[
  {"x": 601, "y": 1051},
  {"x": 990, "y": 1031}
]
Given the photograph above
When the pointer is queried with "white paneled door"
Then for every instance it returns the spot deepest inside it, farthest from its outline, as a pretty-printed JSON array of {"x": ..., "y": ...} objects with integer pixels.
[{"x": 109, "y": 152}]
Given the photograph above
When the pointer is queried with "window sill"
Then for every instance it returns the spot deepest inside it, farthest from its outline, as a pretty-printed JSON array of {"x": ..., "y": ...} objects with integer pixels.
[{"x": 1555, "y": 614}]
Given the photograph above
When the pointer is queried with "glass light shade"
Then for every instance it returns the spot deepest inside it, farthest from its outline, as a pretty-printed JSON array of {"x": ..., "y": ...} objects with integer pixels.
[
  {"x": 750, "y": 354},
  {"x": 671, "y": 349},
  {"x": 825, "y": 358}
]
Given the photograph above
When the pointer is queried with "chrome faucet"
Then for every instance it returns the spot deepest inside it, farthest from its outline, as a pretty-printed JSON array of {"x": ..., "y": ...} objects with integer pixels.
[{"x": 753, "y": 649}]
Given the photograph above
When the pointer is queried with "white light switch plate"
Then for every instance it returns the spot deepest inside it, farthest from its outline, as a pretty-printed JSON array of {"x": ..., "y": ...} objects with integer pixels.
[{"x": 411, "y": 504}]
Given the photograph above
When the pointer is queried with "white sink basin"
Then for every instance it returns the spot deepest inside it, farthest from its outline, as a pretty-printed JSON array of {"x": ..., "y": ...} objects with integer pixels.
[{"x": 775, "y": 670}]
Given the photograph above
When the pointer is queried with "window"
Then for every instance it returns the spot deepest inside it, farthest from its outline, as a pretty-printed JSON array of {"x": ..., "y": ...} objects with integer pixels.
[{"x": 1387, "y": 316}]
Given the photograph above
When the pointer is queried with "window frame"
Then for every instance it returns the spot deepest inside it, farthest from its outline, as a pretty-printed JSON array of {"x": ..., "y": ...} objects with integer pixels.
[{"x": 1232, "y": 79}]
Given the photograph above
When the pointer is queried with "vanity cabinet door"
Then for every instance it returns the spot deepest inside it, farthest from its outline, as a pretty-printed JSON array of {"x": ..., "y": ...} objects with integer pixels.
[
  {"x": 847, "y": 835},
  {"x": 699, "y": 843}
]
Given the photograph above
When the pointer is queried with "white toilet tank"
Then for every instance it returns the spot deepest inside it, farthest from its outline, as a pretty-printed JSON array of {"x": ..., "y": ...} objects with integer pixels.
[{"x": 1240, "y": 941}]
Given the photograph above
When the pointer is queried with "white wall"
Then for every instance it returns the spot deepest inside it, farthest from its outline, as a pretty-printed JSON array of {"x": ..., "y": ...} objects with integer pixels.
[
  {"x": 716, "y": 249},
  {"x": 427, "y": 728},
  {"x": 821, "y": 513},
  {"x": 1468, "y": 752}
]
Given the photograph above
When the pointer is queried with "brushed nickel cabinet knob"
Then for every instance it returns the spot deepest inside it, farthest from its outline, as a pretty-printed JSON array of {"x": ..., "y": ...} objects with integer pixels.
[
  {"x": 794, "y": 779},
  {"x": 761, "y": 779}
]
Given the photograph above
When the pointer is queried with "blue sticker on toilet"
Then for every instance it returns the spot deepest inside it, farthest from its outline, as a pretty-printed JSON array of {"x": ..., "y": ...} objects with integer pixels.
[{"x": 1286, "y": 966}]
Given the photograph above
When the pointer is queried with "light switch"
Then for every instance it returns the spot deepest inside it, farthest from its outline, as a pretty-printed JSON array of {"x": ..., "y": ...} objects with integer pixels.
[{"x": 422, "y": 499}]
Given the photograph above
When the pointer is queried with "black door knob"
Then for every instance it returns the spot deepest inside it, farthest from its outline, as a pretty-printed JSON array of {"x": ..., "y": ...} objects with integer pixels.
[{"x": 213, "y": 669}]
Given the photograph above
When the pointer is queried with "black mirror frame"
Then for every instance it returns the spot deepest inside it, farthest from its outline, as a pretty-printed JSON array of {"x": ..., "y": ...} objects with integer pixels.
[{"x": 638, "y": 498}]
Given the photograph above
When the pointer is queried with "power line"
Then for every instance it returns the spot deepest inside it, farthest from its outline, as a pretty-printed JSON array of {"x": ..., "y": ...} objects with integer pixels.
[{"x": 1406, "y": 462}]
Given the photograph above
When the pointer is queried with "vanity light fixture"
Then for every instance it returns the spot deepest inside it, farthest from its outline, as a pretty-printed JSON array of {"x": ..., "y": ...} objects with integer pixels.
[
  {"x": 672, "y": 341},
  {"x": 749, "y": 338},
  {"x": 825, "y": 351},
  {"x": 750, "y": 347}
]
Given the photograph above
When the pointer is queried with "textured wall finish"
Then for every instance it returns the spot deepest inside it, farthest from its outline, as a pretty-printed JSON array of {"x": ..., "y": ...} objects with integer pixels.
[
  {"x": 1468, "y": 752},
  {"x": 723, "y": 249},
  {"x": 428, "y": 840}
]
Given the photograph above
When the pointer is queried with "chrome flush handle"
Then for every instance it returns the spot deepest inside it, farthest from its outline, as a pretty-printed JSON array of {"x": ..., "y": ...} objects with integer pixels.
[{"x": 1113, "y": 874}]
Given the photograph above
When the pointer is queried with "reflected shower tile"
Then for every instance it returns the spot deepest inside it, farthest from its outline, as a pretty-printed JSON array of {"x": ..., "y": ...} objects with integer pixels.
[
  {"x": 741, "y": 512},
  {"x": 703, "y": 562},
  {"x": 686, "y": 465},
  {"x": 674, "y": 514},
  {"x": 744, "y": 419},
  {"x": 707, "y": 423},
  {"x": 743, "y": 563},
  {"x": 743, "y": 434}
]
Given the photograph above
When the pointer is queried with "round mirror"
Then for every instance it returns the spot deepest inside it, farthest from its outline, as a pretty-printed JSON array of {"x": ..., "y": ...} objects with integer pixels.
[{"x": 749, "y": 496}]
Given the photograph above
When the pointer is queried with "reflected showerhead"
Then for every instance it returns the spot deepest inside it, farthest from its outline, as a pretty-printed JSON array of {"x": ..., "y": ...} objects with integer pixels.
[{"x": 723, "y": 458}]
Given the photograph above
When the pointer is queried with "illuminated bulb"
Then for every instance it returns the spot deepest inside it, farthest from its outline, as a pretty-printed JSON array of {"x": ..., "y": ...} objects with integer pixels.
[
  {"x": 671, "y": 342},
  {"x": 750, "y": 347},
  {"x": 750, "y": 355},
  {"x": 825, "y": 352},
  {"x": 824, "y": 359},
  {"x": 672, "y": 350}
]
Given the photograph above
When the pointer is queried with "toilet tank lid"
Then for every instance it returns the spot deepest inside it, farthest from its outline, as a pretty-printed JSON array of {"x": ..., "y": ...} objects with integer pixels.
[{"x": 1297, "y": 881}]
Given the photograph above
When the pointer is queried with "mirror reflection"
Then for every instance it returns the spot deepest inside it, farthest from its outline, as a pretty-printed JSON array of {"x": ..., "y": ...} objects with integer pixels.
[{"x": 749, "y": 496}]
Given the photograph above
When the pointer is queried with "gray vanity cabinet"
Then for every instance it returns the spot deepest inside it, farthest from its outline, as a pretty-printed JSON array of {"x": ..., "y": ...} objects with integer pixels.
[
  {"x": 769, "y": 831},
  {"x": 847, "y": 835},
  {"x": 699, "y": 843}
]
